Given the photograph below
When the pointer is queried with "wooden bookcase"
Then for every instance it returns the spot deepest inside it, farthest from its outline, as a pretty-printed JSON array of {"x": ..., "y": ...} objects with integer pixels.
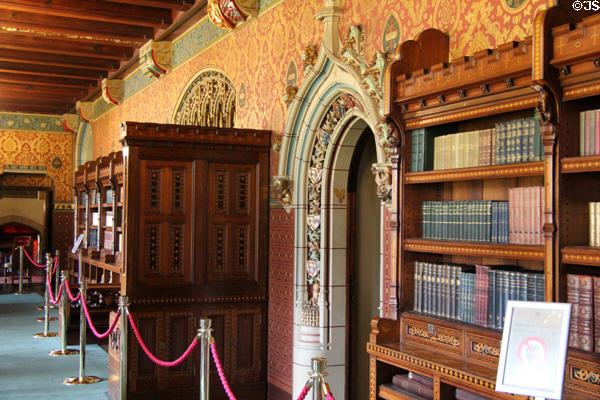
[
  {"x": 194, "y": 220},
  {"x": 513, "y": 81}
]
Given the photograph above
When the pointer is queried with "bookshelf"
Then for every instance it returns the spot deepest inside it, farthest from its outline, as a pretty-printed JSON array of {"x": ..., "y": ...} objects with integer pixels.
[{"x": 497, "y": 88}]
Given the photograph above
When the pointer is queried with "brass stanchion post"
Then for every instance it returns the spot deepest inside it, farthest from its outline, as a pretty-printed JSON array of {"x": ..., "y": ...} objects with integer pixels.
[
  {"x": 64, "y": 303},
  {"x": 204, "y": 334},
  {"x": 47, "y": 302},
  {"x": 82, "y": 379},
  {"x": 56, "y": 277},
  {"x": 319, "y": 366},
  {"x": 47, "y": 305},
  {"x": 20, "y": 271},
  {"x": 123, "y": 306}
]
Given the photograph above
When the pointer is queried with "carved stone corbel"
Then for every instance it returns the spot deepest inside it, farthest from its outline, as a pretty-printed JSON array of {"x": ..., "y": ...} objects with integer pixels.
[
  {"x": 85, "y": 110},
  {"x": 156, "y": 58},
  {"x": 70, "y": 122},
  {"x": 228, "y": 14},
  {"x": 283, "y": 188},
  {"x": 547, "y": 106},
  {"x": 290, "y": 93},
  {"x": 383, "y": 179},
  {"x": 112, "y": 91}
]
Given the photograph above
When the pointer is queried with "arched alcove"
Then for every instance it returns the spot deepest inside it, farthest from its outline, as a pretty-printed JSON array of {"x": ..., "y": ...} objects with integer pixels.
[{"x": 208, "y": 100}]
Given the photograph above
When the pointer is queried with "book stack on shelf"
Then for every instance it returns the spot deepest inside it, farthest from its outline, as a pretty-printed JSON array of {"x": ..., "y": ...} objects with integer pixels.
[
  {"x": 526, "y": 210},
  {"x": 583, "y": 292},
  {"x": 473, "y": 294},
  {"x": 589, "y": 133},
  {"x": 410, "y": 383},
  {"x": 508, "y": 142},
  {"x": 594, "y": 212}
]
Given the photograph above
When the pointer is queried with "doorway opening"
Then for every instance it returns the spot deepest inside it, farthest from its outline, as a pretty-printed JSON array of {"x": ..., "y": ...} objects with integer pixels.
[{"x": 363, "y": 238}]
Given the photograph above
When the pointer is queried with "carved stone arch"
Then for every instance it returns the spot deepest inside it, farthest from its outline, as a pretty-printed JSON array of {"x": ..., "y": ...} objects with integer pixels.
[{"x": 208, "y": 100}]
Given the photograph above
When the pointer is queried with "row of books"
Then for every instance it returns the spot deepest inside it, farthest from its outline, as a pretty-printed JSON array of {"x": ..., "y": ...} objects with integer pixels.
[
  {"x": 93, "y": 238},
  {"x": 508, "y": 142},
  {"x": 594, "y": 212},
  {"x": 473, "y": 294},
  {"x": 583, "y": 292},
  {"x": 415, "y": 386},
  {"x": 477, "y": 220},
  {"x": 96, "y": 196},
  {"x": 520, "y": 220},
  {"x": 589, "y": 133}
]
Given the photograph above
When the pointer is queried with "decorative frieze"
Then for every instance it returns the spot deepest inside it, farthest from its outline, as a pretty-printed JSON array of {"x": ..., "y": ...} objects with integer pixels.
[{"x": 70, "y": 122}]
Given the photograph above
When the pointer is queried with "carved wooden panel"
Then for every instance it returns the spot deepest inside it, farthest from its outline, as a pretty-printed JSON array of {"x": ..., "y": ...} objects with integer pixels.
[
  {"x": 436, "y": 336},
  {"x": 480, "y": 348},
  {"x": 582, "y": 376},
  {"x": 147, "y": 328},
  {"x": 165, "y": 224},
  {"x": 232, "y": 195},
  {"x": 246, "y": 335}
]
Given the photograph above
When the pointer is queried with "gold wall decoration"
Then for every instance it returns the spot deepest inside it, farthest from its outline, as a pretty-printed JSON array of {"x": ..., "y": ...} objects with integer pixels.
[
  {"x": 210, "y": 100},
  {"x": 227, "y": 14}
]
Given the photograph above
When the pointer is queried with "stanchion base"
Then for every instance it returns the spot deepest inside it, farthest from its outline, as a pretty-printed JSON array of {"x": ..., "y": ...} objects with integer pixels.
[
  {"x": 42, "y": 335},
  {"x": 39, "y": 308},
  {"x": 59, "y": 352},
  {"x": 84, "y": 380},
  {"x": 19, "y": 293},
  {"x": 41, "y": 319}
]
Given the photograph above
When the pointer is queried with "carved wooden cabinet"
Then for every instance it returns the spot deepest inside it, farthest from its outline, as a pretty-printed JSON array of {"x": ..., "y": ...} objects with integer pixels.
[
  {"x": 195, "y": 245},
  {"x": 556, "y": 74}
]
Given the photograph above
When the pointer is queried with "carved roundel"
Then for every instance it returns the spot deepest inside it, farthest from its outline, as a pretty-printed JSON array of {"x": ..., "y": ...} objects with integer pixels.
[{"x": 210, "y": 100}]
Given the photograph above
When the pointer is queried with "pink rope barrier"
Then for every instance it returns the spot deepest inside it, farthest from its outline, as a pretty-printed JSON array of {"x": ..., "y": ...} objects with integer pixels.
[
  {"x": 304, "y": 392},
  {"x": 54, "y": 300},
  {"x": 330, "y": 396},
  {"x": 8, "y": 254},
  {"x": 91, "y": 325},
  {"x": 167, "y": 364},
  {"x": 73, "y": 299},
  {"x": 213, "y": 349},
  {"x": 40, "y": 265}
]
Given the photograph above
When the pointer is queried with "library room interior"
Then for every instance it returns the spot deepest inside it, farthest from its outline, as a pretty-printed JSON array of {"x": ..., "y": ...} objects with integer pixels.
[{"x": 300, "y": 199}]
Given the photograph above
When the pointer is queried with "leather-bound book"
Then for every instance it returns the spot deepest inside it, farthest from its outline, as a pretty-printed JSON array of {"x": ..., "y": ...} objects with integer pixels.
[
  {"x": 586, "y": 313},
  {"x": 573, "y": 298},
  {"x": 462, "y": 394},
  {"x": 413, "y": 386}
]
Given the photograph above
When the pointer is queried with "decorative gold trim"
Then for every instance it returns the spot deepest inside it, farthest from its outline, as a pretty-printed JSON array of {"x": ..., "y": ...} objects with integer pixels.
[
  {"x": 69, "y": 35},
  {"x": 573, "y": 256},
  {"x": 523, "y": 169},
  {"x": 451, "y": 373},
  {"x": 585, "y": 375},
  {"x": 485, "y": 349},
  {"x": 576, "y": 92},
  {"x": 537, "y": 46},
  {"x": 64, "y": 206},
  {"x": 485, "y": 250},
  {"x": 577, "y": 164},
  {"x": 189, "y": 300},
  {"x": 496, "y": 109},
  {"x": 435, "y": 337}
]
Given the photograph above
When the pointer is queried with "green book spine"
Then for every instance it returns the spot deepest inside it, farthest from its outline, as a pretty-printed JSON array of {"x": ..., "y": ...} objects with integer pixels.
[
  {"x": 530, "y": 287},
  {"x": 461, "y": 220},
  {"x": 502, "y": 143},
  {"x": 491, "y": 298},
  {"x": 530, "y": 124},
  {"x": 504, "y": 281},
  {"x": 437, "y": 289},
  {"x": 418, "y": 292},
  {"x": 424, "y": 220},
  {"x": 518, "y": 141},
  {"x": 487, "y": 235},
  {"x": 413, "y": 151},
  {"x": 510, "y": 139},
  {"x": 437, "y": 215},
  {"x": 538, "y": 135}
]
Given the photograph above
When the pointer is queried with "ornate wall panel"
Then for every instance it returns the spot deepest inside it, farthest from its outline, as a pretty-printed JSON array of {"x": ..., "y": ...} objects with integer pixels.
[{"x": 208, "y": 101}]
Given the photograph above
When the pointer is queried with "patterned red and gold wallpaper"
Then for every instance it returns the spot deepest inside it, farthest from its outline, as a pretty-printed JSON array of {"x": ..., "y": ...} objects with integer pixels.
[
  {"x": 258, "y": 56},
  {"x": 49, "y": 149}
]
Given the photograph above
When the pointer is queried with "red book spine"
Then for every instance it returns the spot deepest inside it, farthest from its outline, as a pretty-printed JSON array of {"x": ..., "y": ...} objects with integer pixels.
[
  {"x": 586, "y": 313},
  {"x": 413, "y": 386},
  {"x": 596, "y": 283},
  {"x": 573, "y": 298}
]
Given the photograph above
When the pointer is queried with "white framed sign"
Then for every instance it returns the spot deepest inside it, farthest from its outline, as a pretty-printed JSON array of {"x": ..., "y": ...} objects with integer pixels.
[{"x": 534, "y": 349}]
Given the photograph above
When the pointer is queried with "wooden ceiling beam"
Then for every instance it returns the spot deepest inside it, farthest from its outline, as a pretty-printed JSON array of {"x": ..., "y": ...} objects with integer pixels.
[
  {"x": 52, "y": 46},
  {"x": 75, "y": 29},
  {"x": 48, "y": 81},
  {"x": 94, "y": 11},
  {"x": 36, "y": 102},
  {"x": 99, "y": 64},
  {"x": 45, "y": 97},
  {"x": 170, "y": 4},
  {"x": 34, "y": 90},
  {"x": 32, "y": 69},
  {"x": 33, "y": 108}
]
